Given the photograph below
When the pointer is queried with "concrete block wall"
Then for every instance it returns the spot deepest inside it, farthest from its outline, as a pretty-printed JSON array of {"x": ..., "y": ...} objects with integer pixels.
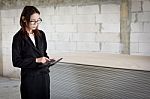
[
  {"x": 82, "y": 28},
  {"x": 140, "y": 27},
  {"x": 9, "y": 26},
  {"x": 109, "y": 35}
]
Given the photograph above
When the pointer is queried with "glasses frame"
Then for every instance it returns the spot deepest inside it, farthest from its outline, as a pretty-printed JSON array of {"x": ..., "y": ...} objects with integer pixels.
[{"x": 34, "y": 22}]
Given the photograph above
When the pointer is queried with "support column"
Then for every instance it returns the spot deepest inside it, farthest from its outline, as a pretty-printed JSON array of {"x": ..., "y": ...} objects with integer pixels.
[
  {"x": 1, "y": 56},
  {"x": 124, "y": 27}
]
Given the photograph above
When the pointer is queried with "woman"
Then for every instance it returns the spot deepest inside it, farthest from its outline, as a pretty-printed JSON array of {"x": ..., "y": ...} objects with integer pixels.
[{"x": 29, "y": 53}]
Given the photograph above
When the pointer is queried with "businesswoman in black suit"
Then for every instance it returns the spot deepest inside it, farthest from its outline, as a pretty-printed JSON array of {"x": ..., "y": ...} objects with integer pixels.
[{"x": 29, "y": 53}]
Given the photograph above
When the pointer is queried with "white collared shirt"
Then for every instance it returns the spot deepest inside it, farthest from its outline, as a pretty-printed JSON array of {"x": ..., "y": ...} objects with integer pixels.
[{"x": 32, "y": 38}]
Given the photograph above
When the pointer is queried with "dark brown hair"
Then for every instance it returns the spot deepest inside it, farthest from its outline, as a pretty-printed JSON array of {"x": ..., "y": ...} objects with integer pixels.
[{"x": 25, "y": 16}]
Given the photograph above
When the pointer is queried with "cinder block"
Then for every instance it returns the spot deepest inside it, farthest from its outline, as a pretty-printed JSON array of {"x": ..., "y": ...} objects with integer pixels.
[
  {"x": 65, "y": 46},
  {"x": 137, "y": 27},
  {"x": 83, "y": 37},
  {"x": 110, "y": 8},
  {"x": 68, "y": 10},
  {"x": 110, "y": 47},
  {"x": 6, "y": 51},
  {"x": 144, "y": 47},
  {"x": 84, "y": 19},
  {"x": 140, "y": 37},
  {"x": 134, "y": 48},
  {"x": 91, "y": 9},
  {"x": 6, "y": 44},
  {"x": 6, "y": 29},
  {"x": 108, "y": 37},
  {"x": 134, "y": 37},
  {"x": 108, "y": 18},
  {"x": 7, "y": 36},
  {"x": 50, "y": 45},
  {"x": 139, "y": 17},
  {"x": 61, "y": 19},
  {"x": 144, "y": 37},
  {"x": 88, "y": 46},
  {"x": 90, "y": 28},
  {"x": 5, "y": 60},
  {"x": 66, "y": 28},
  {"x": 136, "y": 6},
  {"x": 7, "y": 21},
  {"x": 147, "y": 27},
  {"x": 54, "y": 36},
  {"x": 61, "y": 36},
  {"x": 113, "y": 28},
  {"x": 144, "y": 17},
  {"x": 146, "y": 5},
  {"x": 73, "y": 37}
]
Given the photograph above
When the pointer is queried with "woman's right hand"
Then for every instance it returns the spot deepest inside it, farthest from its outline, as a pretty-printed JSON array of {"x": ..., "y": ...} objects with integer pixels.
[{"x": 42, "y": 60}]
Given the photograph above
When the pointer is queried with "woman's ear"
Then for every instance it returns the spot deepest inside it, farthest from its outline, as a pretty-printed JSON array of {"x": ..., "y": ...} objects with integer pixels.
[{"x": 23, "y": 19}]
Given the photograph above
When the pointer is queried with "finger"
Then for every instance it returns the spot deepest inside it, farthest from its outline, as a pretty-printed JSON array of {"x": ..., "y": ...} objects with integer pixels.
[
  {"x": 52, "y": 58},
  {"x": 47, "y": 59}
]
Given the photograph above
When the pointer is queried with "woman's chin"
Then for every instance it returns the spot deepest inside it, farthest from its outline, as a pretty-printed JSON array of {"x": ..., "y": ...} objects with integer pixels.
[{"x": 33, "y": 28}]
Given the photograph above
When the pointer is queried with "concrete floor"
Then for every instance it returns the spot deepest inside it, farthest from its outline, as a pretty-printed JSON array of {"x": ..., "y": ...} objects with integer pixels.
[{"x": 9, "y": 88}]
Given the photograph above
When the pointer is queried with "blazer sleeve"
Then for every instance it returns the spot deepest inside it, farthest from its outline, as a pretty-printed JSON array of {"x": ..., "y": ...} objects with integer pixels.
[
  {"x": 45, "y": 44},
  {"x": 17, "y": 59}
]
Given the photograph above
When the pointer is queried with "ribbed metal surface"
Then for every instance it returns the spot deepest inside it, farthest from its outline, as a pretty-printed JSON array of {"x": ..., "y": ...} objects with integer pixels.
[{"x": 71, "y": 81}]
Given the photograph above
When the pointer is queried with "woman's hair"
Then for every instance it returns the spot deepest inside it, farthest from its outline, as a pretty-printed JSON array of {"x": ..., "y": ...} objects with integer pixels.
[{"x": 25, "y": 17}]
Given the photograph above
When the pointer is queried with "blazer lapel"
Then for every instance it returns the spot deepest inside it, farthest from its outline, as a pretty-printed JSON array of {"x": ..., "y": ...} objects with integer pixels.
[{"x": 28, "y": 40}]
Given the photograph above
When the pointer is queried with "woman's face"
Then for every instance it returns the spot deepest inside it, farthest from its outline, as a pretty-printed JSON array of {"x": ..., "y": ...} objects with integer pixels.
[{"x": 34, "y": 21}]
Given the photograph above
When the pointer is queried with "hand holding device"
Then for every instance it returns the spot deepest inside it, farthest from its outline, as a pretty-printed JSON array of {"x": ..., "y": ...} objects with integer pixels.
[{"x": 52, "y": 62}]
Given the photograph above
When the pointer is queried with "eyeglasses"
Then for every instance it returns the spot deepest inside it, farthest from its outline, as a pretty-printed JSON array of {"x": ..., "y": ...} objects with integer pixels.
[{"x": 38, "y": 21}]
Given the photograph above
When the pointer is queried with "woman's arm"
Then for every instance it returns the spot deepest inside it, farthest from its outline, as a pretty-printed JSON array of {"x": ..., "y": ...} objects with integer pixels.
[
  {"x": 45, "y": 44},
  {"x": 17, "y": 59}
]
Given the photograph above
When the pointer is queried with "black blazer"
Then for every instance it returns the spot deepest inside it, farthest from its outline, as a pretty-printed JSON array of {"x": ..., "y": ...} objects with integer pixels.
[{"x": 24, "y": 52}]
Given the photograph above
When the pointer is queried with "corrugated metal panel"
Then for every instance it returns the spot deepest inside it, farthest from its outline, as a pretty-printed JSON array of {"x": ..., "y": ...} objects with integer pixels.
[{"x": 72, "y": 81}]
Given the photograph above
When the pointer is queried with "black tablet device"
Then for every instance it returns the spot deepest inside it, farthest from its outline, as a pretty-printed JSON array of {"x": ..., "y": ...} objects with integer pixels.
[{"x": 52, "y": 62}]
